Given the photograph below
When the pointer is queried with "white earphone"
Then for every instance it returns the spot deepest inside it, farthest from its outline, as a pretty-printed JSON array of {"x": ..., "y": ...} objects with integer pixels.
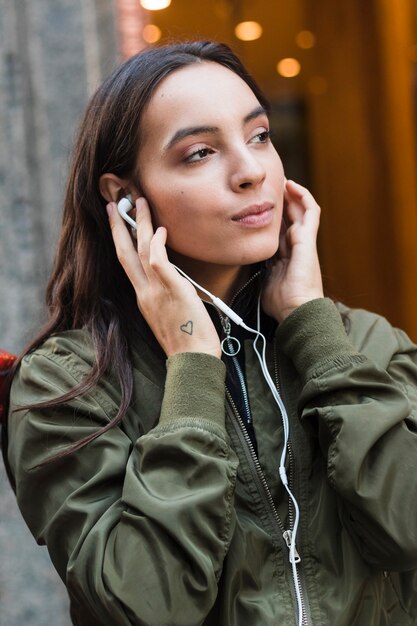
[{"x": 124, "y": 206}]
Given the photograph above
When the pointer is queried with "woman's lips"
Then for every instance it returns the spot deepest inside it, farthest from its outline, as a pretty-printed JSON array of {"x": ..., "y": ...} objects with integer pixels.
[{"x": 255, "y": 215}]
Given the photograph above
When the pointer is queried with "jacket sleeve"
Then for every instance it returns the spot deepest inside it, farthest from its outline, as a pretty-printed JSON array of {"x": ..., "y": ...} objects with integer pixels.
[
  {"x": 361, "y": 392},
  {"x": 137, "y": 530}
]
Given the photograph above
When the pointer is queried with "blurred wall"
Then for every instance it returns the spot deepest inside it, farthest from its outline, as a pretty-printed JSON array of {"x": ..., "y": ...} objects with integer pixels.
[
  {"x": 51, "y": 58},
  {"x": 362, "y": 126},
  {"x": 53, "y": 53}
]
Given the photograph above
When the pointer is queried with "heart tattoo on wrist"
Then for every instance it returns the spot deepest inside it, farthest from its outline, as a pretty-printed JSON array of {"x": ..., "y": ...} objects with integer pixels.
[{"x": 187, "y": 328}]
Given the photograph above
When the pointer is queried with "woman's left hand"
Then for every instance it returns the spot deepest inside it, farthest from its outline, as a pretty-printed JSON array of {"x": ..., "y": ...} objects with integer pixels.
[{"x": 294, "y": 277}]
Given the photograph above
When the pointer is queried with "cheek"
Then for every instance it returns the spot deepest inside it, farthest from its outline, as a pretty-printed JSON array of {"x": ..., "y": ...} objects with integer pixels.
[
  {"x": 180, "y": 206},
  {"x": 171, "y": 211},
  {"x": 276, "y": 170}
]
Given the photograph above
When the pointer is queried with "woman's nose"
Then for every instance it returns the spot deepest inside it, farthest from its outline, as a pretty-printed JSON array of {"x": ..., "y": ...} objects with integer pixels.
[{"x": 248, "y": 170}]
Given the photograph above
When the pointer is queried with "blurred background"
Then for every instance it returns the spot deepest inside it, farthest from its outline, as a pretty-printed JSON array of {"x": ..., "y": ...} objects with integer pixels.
[{"x": 342, "y": 79}]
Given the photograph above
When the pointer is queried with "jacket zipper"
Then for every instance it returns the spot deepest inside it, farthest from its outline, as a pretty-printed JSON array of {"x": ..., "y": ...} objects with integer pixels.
[
  {"x": 254, "y": 459},
  {"x": 290, "y": 452},
  {"x": 239, "y": 373},
  {"x": 285, "y": 533},
  {"x": 248, "y": 282}
]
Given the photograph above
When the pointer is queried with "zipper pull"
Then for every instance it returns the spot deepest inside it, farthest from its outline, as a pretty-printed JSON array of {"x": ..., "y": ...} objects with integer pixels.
[
  {"x": 288, "y": 539},
  {"x": 226, "y": 324},
  {"x": 230, "y": 345}
]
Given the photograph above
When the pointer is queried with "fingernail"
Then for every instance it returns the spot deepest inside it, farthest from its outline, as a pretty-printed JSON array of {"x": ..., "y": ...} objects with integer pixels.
[{"x": 109, "y": 208}]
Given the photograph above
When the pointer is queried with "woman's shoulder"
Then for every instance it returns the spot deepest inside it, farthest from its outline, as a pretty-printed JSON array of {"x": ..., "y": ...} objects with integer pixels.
[
  {"x": 77, "y": 342},
  {"x": 62, "y": 361},
  {"x": 372, "y": 333}
]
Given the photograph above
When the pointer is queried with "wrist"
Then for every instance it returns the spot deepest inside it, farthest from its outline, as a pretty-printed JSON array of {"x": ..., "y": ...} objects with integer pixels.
[{"x": 284, "y": 312}]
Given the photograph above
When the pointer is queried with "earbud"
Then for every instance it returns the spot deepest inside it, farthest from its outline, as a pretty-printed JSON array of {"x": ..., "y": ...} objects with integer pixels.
[{"x": 124, "y": 206}]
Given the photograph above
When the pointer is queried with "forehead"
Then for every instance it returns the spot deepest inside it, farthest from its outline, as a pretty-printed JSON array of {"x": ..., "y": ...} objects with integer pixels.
[{"x": 198, "y": 93}]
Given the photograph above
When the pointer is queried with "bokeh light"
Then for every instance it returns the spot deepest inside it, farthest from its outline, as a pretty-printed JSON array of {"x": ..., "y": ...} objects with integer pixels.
[
  {"x": 289, "y": 67},
  {"x": 151, "y": 33},
  {"x": 248, "y": 31},
  {"x": 155, "y": 5},
  {"x": 305, "y": 39}
]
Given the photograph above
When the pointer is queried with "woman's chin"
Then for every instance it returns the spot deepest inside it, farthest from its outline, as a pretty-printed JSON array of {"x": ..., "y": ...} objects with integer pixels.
[
  {"x": 259, "y": 254},
  {"x": 228, "y": 256}
]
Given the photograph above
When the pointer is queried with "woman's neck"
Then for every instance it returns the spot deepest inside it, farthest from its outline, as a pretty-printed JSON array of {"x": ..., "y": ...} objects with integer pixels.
[{"x": 222, "y": 281}]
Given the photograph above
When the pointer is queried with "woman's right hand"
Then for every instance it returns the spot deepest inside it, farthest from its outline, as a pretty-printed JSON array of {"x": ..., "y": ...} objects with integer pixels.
[{"x": 168, "y": 302}]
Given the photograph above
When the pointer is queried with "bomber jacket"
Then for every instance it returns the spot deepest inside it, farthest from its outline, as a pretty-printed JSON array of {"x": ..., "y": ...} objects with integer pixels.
[{"x": 175, "y": 518}]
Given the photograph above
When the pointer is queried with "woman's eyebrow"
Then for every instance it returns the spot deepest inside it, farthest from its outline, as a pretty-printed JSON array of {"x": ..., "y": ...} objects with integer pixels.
[
  {"x": 190, "y": 131},
  {"x": 257, "y": 112}
]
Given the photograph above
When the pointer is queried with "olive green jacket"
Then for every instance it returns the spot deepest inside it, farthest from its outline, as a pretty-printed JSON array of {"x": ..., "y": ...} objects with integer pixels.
[{"x": 171, "y": 519}]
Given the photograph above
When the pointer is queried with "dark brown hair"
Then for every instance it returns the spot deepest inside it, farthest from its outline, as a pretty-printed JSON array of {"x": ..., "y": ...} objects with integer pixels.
[{"x": 82, "y": 291}]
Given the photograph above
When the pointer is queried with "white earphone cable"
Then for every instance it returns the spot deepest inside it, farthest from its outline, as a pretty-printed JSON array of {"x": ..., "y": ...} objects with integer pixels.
[{"x": 125, "y": 205}]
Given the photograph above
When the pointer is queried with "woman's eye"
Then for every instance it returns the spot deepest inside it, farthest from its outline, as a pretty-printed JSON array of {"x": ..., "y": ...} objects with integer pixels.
[
  {"x": 262, "y": 137},
  {"x": 198, "y": 155}
]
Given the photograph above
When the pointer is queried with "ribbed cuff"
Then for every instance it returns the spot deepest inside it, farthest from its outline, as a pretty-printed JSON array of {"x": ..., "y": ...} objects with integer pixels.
[
  {"x": 194, "y": 388},
  {"x": 314, "y": 333}
]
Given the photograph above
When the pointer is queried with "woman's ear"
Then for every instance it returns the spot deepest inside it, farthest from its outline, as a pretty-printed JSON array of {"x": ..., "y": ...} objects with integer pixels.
[{"x": 113, "y": 188}]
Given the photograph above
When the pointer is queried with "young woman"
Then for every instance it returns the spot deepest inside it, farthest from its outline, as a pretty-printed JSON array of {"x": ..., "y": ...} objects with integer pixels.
[{"x": 175, "y": 477}]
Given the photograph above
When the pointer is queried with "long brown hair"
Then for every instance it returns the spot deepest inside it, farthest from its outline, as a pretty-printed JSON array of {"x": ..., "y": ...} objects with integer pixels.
[{"x": 88, "y": 287}]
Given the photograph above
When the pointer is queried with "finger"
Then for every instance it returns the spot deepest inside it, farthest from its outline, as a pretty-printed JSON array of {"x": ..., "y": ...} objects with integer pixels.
[
  {"x": 283, "y": 250},
  {"x": 159, "y": 262},
  {"x": 295, "y": 191},
  {"x": 302, "y": 206},
  {"x": 285, "y": 221},
  {"x": 294, "y": 200},
  {"x": 144, "y": 217},
  {"x": 144, "y": 232},
  {"x": 125, "y": 249}
]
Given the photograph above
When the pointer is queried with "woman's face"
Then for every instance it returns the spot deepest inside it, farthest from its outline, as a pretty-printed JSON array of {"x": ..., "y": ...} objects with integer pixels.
[{"x": 209, "y": 170}]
